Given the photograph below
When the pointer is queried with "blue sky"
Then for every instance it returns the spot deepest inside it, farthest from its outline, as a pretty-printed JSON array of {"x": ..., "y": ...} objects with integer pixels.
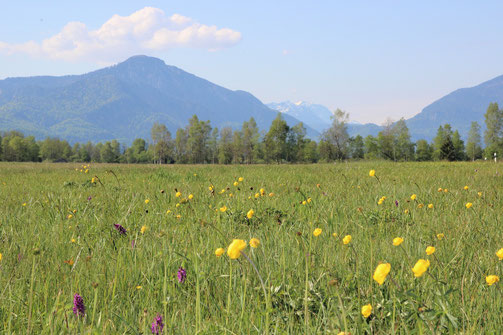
[{"x": 373, "y": 59}]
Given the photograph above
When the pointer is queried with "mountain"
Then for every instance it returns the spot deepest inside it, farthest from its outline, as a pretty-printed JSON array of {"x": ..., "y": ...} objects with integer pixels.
[
  {"x": 318, "y": 117},
  {"x": 458, "y": 108},
  {"x": 123, "y": 101}
]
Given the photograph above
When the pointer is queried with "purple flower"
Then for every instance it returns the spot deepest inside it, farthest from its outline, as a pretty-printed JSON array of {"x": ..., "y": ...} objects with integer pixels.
[
  {"x": 396, "y": 203},
  {"x": 120, "y": 228},
  {"x": 157, "y": 325},
  {"x": 89, "y": 198},
  {"x": 78, "y": 305},
  {"x": 182, "y": 275},
  {"x": 133, "y": 243}
]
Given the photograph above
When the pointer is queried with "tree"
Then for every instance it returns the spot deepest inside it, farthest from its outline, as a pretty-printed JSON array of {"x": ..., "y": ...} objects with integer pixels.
[
  {"x": 296, "y": 143},
  {"x": 494, "y": 130},
  {"x": 386, "y": 141},
  {"x": 251, "y": 138},
  {"x": 423, "y": 151},
  {"x": 225, "y": 146},
  {"x": 162, "y": 143},
  {"x": 357, "y": 147},
  {"x": 404, "y": 148},
  {"x": 337, "y": 134},
  {"x": 181, "y": 154},
  {"x": 275, "y": 140},
  {"x": 459, "y": 147},
  {"x": 473, "y": 145},
  {"x": 198, "y": 134},
  {"x": 213, "y": 146},
  {"x": 371, "y": 147}
]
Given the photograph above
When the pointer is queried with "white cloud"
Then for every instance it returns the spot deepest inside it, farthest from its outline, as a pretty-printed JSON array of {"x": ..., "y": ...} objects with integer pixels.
[{"x": 148, "y": 29}]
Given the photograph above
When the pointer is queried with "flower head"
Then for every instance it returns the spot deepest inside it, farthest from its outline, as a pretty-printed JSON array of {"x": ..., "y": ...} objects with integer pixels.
[
  {"x": 78, "y": 305},
  {"x": 346, "y": 239},
  {"x": 413, "y": 197},
  {"x": 372, "y": 173},
  {"x": 466, "y": 188},
  {"x": 191, "y": 196},
  {"x": 178, "y": 194},
  {"x": 366, "y": 310},
  {"x": 234, "y": 249},
  {"x": 317, "y": 232},
  {"x": 157, "y": 325},
  {"x": 440, "y": 236},
  {"x": 147, "y": 201},
  {"x": 182, "y": 275},
  {"x": 250, "y": 213},
  {"x": 469, "y": 205},
  {"x": 492, "y": 279},
  {"x": 430, "y": 250},
  {"x": 430, "y": 206},
  {"x": 219, "y": 252},
  {"x": 240, "y": 179},
  {"x": 397, "y": 241},
  {"x": 120, "y": 229},
  {"x": 143, "y": 229},
  {"x": 223, "y": 209},
  {"x": 499, "y": 253},
  {"x": 254, "y": 242},
  {"x": 420, "y": 268},
  {"x": 381, "y": 272}
]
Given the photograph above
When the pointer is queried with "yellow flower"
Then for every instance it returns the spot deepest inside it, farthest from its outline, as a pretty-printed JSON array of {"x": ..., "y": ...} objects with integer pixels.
[
  {"x": 406, "y": 211},
  {"x": 492, "y": 279},
  {"x": 430, "y": 250},
  {"x": 223, "y": 209},
  {"x": 440, "y": 189},
  {"x": 87, "y": 170},
  {"x": 372, "y": 173},
  {"x": 499, "y": 253},
  {"x": 177, "y": 205},
  {"x": 195, "y": 174},
  {"x": 191, "y": 196},
  {"x": 93, "y": 180},
  {"x": 420, "y": 206},
  {"x": 138, "y": 287},
  {"x": 420, "y": 268},
  {"x": 397, "y": 241},
  {"x": 469, "y": 205},
  {"x": 254, "y": 242},
  {"x": 381, "y": 272},
  {"x": 430, "y": 206},
  {"x": 446, "y": 190},
  {"x": 168, "y": 211},
  {"x": 380, "y": 201},
  {"x": 366, "y": 310},
  {"x": 479, "y": 194},
  {"x": 304, "y": 202},
  {"x": 346, "y": 239},
  {"x": 219, "y": 252},
  {"x": 271, "y": 194},
  {"x": 262, "y": 191},
  {"x": 317, "y": 232},
  {"x": 234, "y": 249},
  {"x": 240, "y": 179},
  {"x": 210, "y": 188},
  {"x": 74, "y": 211},
  {"x": 413, "y": 197},
  {"x": 69, "y": 216},
  {"x": 309, "y": 200},
  {"x": 0, "y": 256},
  {"x": 178, "y": 216},
  {"x": 143, "y": 229},
  {"x": 466, "y": 188},
  {"x": 236, "y": 183},
  {"x": 334, "y": 234},
  {"x": 178, "y": 194},
  {"x": 250, "y": 213},
  {"x": 24, "y": 204},
  {"x": 257, "y": 195},
  {"x": 73, "y": 240},
  {"x": 440, "y": 236},
  {"x": 147, "y": 201}
]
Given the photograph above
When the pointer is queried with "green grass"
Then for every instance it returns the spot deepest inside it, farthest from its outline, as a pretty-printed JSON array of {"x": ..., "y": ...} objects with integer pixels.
[{"x": 312, "y": 285}]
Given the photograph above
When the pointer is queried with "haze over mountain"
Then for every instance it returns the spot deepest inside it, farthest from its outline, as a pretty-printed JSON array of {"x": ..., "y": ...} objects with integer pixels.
[{"x": 123, "y": 101}]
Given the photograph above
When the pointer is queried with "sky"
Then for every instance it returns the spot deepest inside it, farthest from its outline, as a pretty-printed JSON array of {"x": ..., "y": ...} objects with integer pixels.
[{"x": 373, "y": 59}]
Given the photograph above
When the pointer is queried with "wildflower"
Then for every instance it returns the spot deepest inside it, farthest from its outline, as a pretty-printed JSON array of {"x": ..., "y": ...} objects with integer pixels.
[
  {"x": 147, "y": 201},
  {"x": 334, "y": 234},
  {"x": 219, "y": 252},
  {"x": 257, "y": 195},
  {"x": 143, "y": 229},
  {"x": 499, "y": 253},
  {"x": 93, "y": 180},
  {"x": 420, "y": 206},
  {"x": 446, "y": 190},
  {"x": 318, "y": 185},
  {"x": 309, "y": 200},
  {"x": 468, "y": 205},
  {"x": 396, "y": 203},
  {"x": 182, "y": 275},
  {"x": 24, "y": 204},
  {"x": 191, "y": 196},
  {"x": 168, "y": 211},
  {"x": 317, "y": 232},
  {"x": 430, "y": 250},
  {"x": 69, "y": 216},
  {"x": 78, "y": 305},
  {"x": 439, "y": 189},
  {"x": 420, "y": 268},
  {"x": 240, "y": 179},
  {"x": 157, "y": 325},
  {"x": 381, "y": 272},
  {"x": 250, "y": 213},
  {"x": 406, "y": 211},
  {"x": 177, "y": 205},
  {"x": 254, "y": 242},
  {"x": 178, "y": 216},
  {"x": 413, "y": 197},
  {"x": 397, "y": 241},
  {"x": 271, "y": 194},
  {"x": 430, "y": 206},
  {"x": 366, "y": 310},
  {"x": 372, "y": 173},
  {"x": 120, "y": 229},
  {"x": 492, "y": 279},
  {"x": 479, "y": 194},
  {"x": 346, "y": 239},
  {"x": 178, "y": 194},
  {"x": 466, "y": 188},
  {"x": 236, "y": 183},
  {"x": 234, "y": 249},
  {"x": 304, "y": 202},
  {"x": 380, "y": 201},
  {"x": 440, "y": 236},
  {"x": 73, "y": 240},
  {"x": 89, "y": 198},
  {"x": 210, "y": 188},
  {"x": 0, "y": 256},
  {"x": 223, "y": 209},
  {"x": 138, "y": 287},
  {"x": 262, "y": 191}
]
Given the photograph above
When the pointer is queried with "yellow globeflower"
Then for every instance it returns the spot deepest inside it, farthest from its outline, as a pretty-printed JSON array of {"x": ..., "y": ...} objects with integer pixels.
[
  {"x": 178, "y": 194},
  {"x": 446, "y": 190},
  {"x": 420, "y": 268},
  {"x": 499, "y": 253},
  {"x": 492, "y": 279},
  {"x": 93, "y": 180},
  {"x": 317, "y": 232},
  {"x": 420, "y": 206},
  {"x": 236, "y": 183},
  {"x": 413, "y": 197},
  {"x": 250, "y": 213},
  {"x": 397, "y": 241},
  {"x": 147, "y": 201},
  {"x": 466, "y": 188},
  {"x": 406, "y": 211},
  {"x": 143, "y": 229},
  {"x": 168, "y": 211},
  {"x": 271, "y": 194},
  {"x": 372, "y": 173},
  {"x": 380, "y": 201},
  {"x": 240, "y": 179},
  {"x": 234, "y": 249},
  {"x": 469, "y": 205},
  {"x": 430, "y": 206},
  {"x": 223, "y": 209},
  {"x": 191, "y": 196},
  {"x": 0, "y": 256},
  {"x": 219, "y": 252},
  {"x": 381, "y": 272},
  {"x": 334, "y": 234},
  {"x": 254, "y": 242},
  {"x": 304, "y": 202},
  {"x": 430, "y": 250},
  {"x": 346, "y": 239},
  {"x": 440, "y": 236},
  {"x": 479, "y": 194},
  {"x": 262, "y": 191},
  {"x": 366, "y": 310},
  {"x": 257, "y": 195},
  {"x": 440, "y": 189}
]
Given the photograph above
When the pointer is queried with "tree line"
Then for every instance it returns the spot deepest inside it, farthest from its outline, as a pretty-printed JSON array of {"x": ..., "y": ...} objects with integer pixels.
[{"x": 199, "y": 143}]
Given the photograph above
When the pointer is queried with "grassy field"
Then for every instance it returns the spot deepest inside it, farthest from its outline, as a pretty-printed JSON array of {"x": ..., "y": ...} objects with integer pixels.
[{"x": 58, "y": 239}]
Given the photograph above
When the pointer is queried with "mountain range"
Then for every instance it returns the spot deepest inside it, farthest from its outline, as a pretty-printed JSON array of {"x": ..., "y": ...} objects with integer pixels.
[{"x": 123, "y": 101}]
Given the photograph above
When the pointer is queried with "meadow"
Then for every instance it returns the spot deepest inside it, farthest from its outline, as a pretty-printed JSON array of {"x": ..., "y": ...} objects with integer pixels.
[{"x": 115, "y": 249}]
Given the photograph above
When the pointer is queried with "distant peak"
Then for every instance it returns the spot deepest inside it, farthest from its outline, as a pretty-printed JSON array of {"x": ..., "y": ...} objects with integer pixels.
[
  {"x": 298, "y": 103},
  {"x": 142, "y": 59}
]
